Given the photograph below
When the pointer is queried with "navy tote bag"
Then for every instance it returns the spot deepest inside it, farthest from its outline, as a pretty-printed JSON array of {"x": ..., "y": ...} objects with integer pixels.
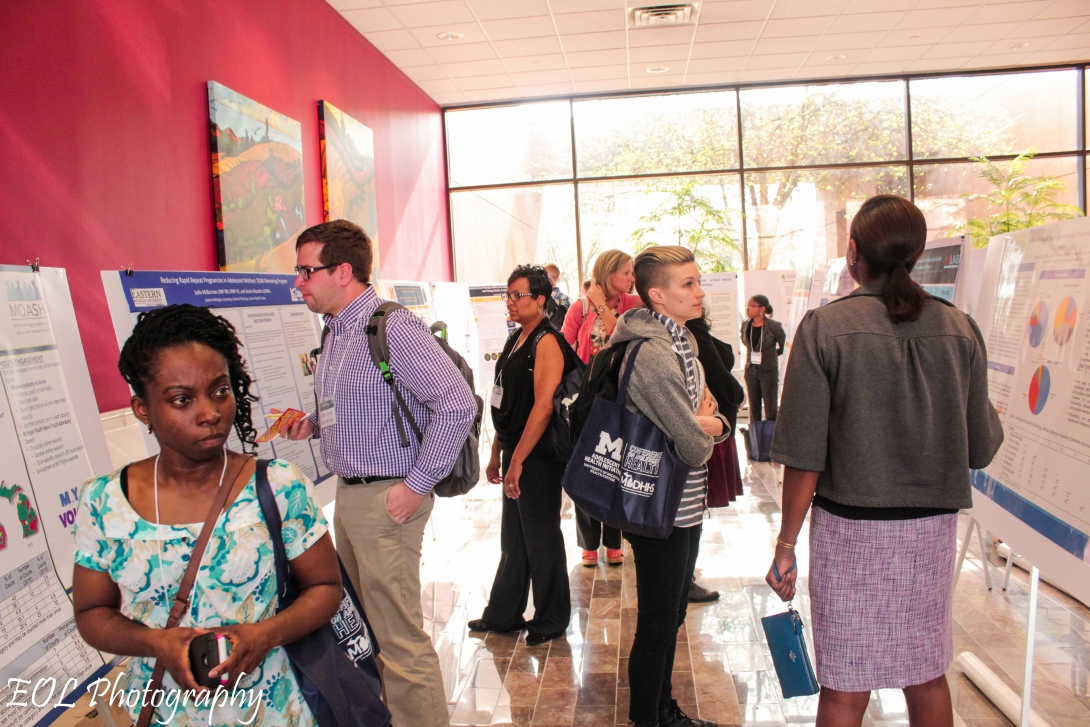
[{"x": 622, "y": 470}]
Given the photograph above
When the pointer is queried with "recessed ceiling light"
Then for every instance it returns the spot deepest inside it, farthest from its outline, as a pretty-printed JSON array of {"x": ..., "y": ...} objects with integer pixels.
[
  {"x": 837, "y": 57},
  {"x": 658, "y": 69},
  {"x": 450, "y": 35},
  {"x": 1016, "y": 46}
]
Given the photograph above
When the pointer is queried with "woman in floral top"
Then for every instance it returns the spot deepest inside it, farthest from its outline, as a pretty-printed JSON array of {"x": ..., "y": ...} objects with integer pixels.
[{"x": 135, "y": 531}]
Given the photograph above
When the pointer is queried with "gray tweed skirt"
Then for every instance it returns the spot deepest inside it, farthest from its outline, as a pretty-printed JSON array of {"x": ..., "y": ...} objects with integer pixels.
[{"x": 881, "y": 600}]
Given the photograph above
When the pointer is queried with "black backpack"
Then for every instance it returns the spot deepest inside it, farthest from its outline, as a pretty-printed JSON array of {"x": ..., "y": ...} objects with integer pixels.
[
  {"x": 555, "y": 312},
  {"x": 599, "y": 380}
]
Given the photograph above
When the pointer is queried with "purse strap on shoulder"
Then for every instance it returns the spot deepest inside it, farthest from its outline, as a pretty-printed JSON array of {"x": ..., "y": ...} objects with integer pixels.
[{"x": 181, "y": 599}]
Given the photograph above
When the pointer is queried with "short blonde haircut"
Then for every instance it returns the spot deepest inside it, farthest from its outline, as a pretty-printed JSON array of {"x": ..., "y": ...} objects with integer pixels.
[
  {"x": 652, "y": 267},
  {"x": 608, "y": 263}
]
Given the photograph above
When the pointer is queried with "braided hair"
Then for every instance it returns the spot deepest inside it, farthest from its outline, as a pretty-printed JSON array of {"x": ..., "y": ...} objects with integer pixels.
[{"x": 176, "y": 325}]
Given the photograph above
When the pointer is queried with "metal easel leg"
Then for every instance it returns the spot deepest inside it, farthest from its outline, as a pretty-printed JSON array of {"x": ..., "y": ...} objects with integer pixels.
[
  {"x": 964, "y": 549},
  {"x": 1007, "y": 571},
  {"x": 1031, "y": 627},
  {"x": 983, "y": 556}
]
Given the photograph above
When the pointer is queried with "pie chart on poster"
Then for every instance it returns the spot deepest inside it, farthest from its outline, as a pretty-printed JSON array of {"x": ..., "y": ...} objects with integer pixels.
[
  {"x": 1038, "y": 390},
  {"x": 1038, "y": 320},
  {"x": 1064, "y": 325}
]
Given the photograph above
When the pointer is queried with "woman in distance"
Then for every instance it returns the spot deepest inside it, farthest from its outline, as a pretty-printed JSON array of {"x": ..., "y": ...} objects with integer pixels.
[
  {"x": 885, "y": 410},
  {"x": 765, "y": 339},
  {"x": 136, "y": 527}
]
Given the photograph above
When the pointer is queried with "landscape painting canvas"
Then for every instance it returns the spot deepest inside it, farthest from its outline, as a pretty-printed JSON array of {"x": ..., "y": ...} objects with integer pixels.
[
  {"x": 257, "y": 178},
  {"x": 348, "y": 172}
]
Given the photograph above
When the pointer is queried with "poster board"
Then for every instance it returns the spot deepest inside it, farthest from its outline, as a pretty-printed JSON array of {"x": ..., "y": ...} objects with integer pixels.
[
  {"x": 277, "y": 331},
  {"x": 800, "y": 300},
  {"x": 1035, "y": 495},
  {"x": 838, "y": 282},
  {"x": 452, "y": 307},
  {"x": 972, "y": 272},
  {"x": 43, "y": 466},
  {"x": 938, "y": 269},
  {"x": 412, "y": 294},
  {"x": 722, "y": 302},
  {"x": 817, "y": 285},
  {"x": 493, "y": 329},
  {"x": 777, "y": 285}
]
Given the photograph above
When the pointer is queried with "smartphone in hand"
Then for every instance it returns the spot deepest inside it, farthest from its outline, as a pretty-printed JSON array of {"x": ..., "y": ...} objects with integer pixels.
[{"x": 206, "y": 652}]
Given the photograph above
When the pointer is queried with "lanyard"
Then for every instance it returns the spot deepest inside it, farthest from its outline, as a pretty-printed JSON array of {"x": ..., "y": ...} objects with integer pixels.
[{"x": 760, "y": 342}]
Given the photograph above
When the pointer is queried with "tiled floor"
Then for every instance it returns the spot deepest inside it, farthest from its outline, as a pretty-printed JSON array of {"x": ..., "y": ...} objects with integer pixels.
[{"x": 722, "y": 671}]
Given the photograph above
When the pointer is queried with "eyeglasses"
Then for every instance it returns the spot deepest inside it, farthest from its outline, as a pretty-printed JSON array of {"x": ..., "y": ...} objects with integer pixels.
[
  {"x": 516, "y": 296},
  {"x": 306, "y": 272}
]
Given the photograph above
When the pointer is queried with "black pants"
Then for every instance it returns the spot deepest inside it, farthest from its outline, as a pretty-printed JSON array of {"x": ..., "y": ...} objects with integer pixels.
[
  {"x": 592, "y": 533},
  {"x": 762, "y": 387},
  {"x": 664, "y": 572},
  {"x": 531, "y": 552}
]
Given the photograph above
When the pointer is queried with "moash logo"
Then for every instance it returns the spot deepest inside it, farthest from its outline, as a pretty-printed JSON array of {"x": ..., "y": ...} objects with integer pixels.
[
  {"x": 609, "y": 445},
  {"x": 148, "y": 297},
  {"x": 636, "y": 487}
]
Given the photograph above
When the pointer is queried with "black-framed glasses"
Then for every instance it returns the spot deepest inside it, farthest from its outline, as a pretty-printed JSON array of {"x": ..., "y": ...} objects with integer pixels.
[
  {"x": 306, "y": 272},
  {"x": 516, "y": 296}
]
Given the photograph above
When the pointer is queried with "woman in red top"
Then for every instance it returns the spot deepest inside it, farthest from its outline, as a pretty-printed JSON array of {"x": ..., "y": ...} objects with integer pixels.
[{"x": 587, "y": 327}]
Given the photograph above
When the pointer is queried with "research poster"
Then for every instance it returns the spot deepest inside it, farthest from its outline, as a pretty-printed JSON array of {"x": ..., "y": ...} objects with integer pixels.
[
  {"x": 937, "y": 269},
  {"x": 1033, "y": 313},
  {"x": 493, "y": 328},
  {"x": 452, "y": 307},
  {"x": 838, "y": 282},
  {"x": 278, "y": 334},
  {"x": 721, "y": 290},
  {"x": 777, "y": 285},
  {"x": 41, "y": 470},
  {"x": 817, "y": 285},
  {"x": 800, "y": 300},
  {"x": 412, "y": 294}
]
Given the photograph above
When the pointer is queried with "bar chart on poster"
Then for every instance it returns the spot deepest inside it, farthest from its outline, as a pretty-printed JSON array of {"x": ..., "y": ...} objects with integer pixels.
[
  {"x": 278, "y": 333},
  {"x": 1036, "y": 493}
]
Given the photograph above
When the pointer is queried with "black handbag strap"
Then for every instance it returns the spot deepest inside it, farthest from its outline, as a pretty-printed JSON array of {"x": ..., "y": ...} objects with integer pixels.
[{"x": 273, "y": 522}]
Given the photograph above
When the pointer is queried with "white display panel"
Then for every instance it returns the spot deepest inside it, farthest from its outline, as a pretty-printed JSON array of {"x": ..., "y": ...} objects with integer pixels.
[
  {"x": 412, "y": 294},
  {"x": 452, "y": 307},
  {"x": 493, "y": 328},
  {"x": 938, "y": 270},
  {"x": 1036, "y": 493},
  {"x": 721, "y": 291},
  {"x": 777, "y": 285},
  {"x": 837, "y": 283}
]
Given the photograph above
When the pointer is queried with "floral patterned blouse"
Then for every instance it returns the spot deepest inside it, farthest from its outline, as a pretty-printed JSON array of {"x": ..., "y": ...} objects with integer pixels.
[{"x": 236, "y": 583}]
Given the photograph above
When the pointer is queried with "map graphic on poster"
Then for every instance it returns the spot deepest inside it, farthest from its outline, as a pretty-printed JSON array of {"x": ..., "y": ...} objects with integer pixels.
[
  {"x": 277, "y": 330},
  {"x": 493, "y": 328},
  {"x": 414, "y": 295},
  {"x": 937, "y": 269},
  {"x": 721, "y": 300},
  {"x": 41, "y": 470},
  {"x": 1039, "y": 381}
]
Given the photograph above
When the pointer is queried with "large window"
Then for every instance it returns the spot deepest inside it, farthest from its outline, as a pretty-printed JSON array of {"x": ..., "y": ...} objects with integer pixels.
[{"x": 755, "y": 177}]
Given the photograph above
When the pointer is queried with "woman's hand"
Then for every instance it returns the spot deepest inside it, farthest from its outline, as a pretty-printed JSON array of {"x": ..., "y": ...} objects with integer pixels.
[
  {"x": 250, "y": 643},
  {"x": 711, "y": 425},
  {"x": 596, "y": 296},
  {"x": 492, "y": 471},
  {"x": 511, "y": 479},
  {"x": 707, "y": 404},
  {"x": 785, "y": 587},
  {"x": 171, "y": 647}
]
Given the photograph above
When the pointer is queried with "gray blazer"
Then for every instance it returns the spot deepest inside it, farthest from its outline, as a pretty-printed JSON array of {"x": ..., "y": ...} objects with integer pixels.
[{"x": 772, "y": 342}]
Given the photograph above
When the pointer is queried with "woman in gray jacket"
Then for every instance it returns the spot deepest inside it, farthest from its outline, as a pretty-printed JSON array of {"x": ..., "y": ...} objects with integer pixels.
[{"x": 667, "y": 387}]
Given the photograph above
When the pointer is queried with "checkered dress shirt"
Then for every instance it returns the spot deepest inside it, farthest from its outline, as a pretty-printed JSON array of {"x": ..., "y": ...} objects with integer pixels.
[{"x": 364, "y": 442}]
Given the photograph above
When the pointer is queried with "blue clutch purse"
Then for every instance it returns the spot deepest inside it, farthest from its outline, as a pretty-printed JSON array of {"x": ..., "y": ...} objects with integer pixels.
[{"x": 789, "y": 656}]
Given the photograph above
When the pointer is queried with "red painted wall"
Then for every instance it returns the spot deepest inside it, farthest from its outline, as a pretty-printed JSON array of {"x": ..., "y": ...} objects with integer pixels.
[{"x": 104, "y": 152}]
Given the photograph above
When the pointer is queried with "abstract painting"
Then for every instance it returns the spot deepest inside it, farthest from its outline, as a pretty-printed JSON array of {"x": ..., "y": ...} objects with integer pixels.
[
  {"x": 348, "y": 172},
  {"x": 257, "y": 178}
]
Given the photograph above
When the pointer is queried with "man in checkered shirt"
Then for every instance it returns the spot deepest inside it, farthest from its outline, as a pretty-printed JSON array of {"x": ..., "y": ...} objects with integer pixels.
[{"x": 384, "y": 495}]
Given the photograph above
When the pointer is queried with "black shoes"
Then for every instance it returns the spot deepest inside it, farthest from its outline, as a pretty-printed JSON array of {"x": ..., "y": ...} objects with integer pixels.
[
  {"x": 700, "y": 594},
  {"x": 479, "y": 624},
  {"x": 674, "y": 717},
  {"x": 538, "y": 639}
]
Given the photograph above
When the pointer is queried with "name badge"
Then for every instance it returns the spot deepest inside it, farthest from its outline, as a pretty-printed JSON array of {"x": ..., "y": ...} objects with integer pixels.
[
  {"x": 755, "y": 358},
  {"x": 497, "y": 396},
  {"x": 327, "y": 414}
]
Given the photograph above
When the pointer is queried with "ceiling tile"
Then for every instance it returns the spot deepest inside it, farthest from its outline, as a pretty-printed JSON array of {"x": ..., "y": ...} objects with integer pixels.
[
  {"x": 955, "y": 50},
  {"x": 880, "y": 68},
  {"x": 664, "y": 81},
  {"x": 850, "y": 41},
  {"x": 723, "y": 49},
  {"x": 1064, "y": 9},
  {"x": 1071, "y": 41},
  {"x": 537, "y": 78},
  {"x": 944, "y": 18},
  {"x": 512, "y": 28},
  {"x": 659, "y": 53},
  {"x": 474, "y": 68},
  {"x": 476, "y": 83},
  {"x": 996, "y": 61},
  {"x": 497, "y": 9},
  {"x": 716, "y": 65},
  {"x": 767, "y": 46},
  {"x": 926, "y": 65},
  {"x": 434, "y": 13},
  {"x": 458, "y": 53},
  {"x": 612, "y": 84},
  {"x": 1060, "y": 56},
  {"x": 597, "y": 58},
  {"x": 493, "y": 94},
  {"x": 728, "y": 31},
  {"x": 735, "y": 12},
  {"x": 544, "y": 62},
  {"x": 371, "y": 19},
  {"x": 406, "y": 2},
  {"x": 807, "y": 8},
  {"x": 781, "y": 60},
  {"x": 711, "y": 79},
  {"x": 914, "y": 36},
  {"x": 547, "y": 89},
  {"x": 351, "y": 4},
  {"x": 448, "y": 98},
  {"x": 579, "y": 6},
  {"x": 599, "y": 73},
  {"x": 410, "y": 58},
  {"x": 425, "y": 73},
  {"x": 639, "y": 70},
  {"x": 904, "y": 53},
  {"x": 1037, "y": 28},
  {"x": 994, "y": 31},
  {"x": 386, "y": 40},
  {"x": 527, "y": 46},
  {"x": 864, "y": 23},
  {"x": 757, "y": 75},
  {"x": 592, "y": 41},
  {"x": 824, "y": 58},
  {"x": 660, "y": 36},
  {"x": 596, "y": 22},
  {"x": 438, "y": 86},
  {"x": 1003, "y": 47},
  {"x": 796, "y": 27},
  {"x": 429, "y": 36},
  {"x": 868, "y": 6},
  {"x": 933, "y": 4},
  {"x": 991, "y": 12},
  {"x": 830, "y": 70}
]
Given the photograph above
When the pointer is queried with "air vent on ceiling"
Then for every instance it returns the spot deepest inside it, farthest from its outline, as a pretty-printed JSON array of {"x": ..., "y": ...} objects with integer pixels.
[{"x": 660, "y": 16}]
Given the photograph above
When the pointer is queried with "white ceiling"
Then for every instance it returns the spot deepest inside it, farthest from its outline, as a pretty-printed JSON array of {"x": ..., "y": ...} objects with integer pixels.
[{"x": 513, "y": 49}]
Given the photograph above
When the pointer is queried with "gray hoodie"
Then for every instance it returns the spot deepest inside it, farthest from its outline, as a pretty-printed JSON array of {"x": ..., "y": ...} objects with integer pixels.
[{"x": 658, "y": 389}]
